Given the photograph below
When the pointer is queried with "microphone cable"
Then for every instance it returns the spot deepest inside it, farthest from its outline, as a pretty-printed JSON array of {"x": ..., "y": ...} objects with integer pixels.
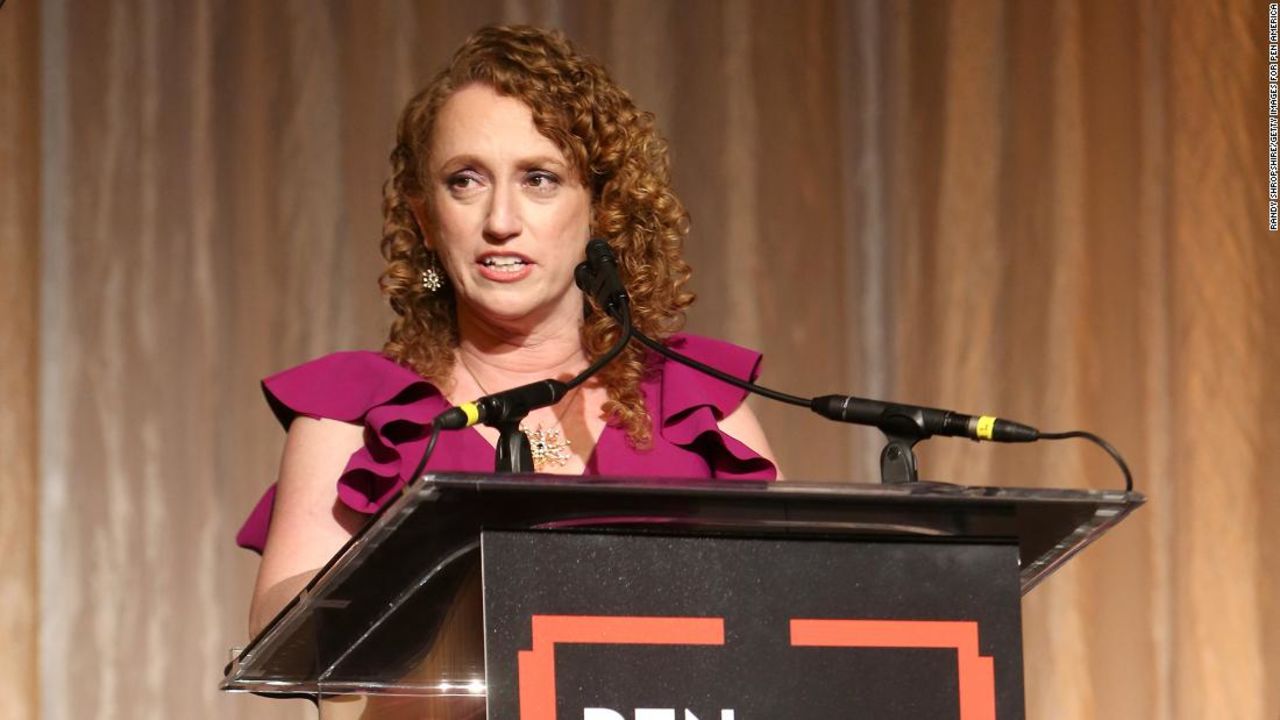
[
  {"x": 1096, "y": 440},
  {"x": 618, "y": 346},
  {"x": 721, "y": 375},
  {"x": 623, "y": 319},
  {"x": 811, "y": 403},
  {"x": 597, "y": 276},
  {"x": 426, "y": 454}
]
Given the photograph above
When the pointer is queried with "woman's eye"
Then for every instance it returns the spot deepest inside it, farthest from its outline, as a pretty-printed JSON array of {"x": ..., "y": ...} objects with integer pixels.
[
  {"x": 462, "y": 182},
  {"x": 542, "y": 180}
]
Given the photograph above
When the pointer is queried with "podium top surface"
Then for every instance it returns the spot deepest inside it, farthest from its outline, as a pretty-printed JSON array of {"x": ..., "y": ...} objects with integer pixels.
[
  {"x": 440, "y": 518},
  {"x": 1049, "y": 525}
]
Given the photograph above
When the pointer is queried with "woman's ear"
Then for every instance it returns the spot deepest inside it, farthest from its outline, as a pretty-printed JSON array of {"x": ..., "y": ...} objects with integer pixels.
[{"x": 419, "y": 209}]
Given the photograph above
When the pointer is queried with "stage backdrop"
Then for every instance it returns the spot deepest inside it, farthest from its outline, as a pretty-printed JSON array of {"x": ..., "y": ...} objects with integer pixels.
[{"x": 1055, "y": 211}]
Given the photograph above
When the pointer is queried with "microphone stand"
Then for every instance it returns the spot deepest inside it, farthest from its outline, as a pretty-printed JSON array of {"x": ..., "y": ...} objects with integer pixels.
[
  {"x": 505, "y": 410},
  {"x": 514, "y": 454},
  {"x": 898, "y": 460},
  {"x": 903, "y": 427}
]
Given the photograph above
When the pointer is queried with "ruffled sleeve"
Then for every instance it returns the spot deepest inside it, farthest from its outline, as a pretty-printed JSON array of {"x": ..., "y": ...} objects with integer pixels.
[
  {"x": 393, "y": 404},
  {"x": 692, "y": 404}
]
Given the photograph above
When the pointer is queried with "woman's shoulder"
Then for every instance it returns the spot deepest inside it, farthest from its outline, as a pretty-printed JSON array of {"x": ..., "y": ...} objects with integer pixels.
[
  {"x": 684, "y": 388},
  {"x": 342, "y": 386},
  {"x": 393, "y": 403},
  {"x": 690, "y": 406}
]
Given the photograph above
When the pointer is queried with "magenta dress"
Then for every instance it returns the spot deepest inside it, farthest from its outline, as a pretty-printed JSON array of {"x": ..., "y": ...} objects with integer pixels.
[{"x": 394, "y": 404}]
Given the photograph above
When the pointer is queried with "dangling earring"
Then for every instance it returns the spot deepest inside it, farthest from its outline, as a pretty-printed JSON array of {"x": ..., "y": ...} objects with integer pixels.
[{"x": 432, "y": 280}]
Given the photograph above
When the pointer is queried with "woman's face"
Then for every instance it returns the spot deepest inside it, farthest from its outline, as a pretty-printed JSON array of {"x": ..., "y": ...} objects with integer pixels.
[{"x": 511, "y": 218}]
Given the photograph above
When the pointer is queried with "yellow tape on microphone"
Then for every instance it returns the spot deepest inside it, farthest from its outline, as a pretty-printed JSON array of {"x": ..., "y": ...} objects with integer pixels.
[{"x": 986, "y": 426}]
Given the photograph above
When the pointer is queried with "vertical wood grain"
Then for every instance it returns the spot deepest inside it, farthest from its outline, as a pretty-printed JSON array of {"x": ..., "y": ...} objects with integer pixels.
[
  {"x": 740, "y": 266},
  {"x": 797, "y": 285},
  {"x": 1058, "y": 681},
  {"x": 1224, "y": 269},
  {"x": 864, "y": 115},
  {"x": 1154, "y": 286},
  {"x": 19, "y": 349}
]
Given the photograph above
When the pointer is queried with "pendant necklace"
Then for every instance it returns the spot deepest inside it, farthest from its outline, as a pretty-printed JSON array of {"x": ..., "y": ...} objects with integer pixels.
[{"x": 549, "y": 446}]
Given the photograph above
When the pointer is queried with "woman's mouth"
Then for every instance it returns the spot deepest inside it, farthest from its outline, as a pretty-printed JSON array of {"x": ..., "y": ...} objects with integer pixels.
[{"x": 504, "y": 268}]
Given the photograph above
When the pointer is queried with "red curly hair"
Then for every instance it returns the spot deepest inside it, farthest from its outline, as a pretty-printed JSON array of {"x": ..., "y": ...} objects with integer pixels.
[{"x": 617, "y": 153}]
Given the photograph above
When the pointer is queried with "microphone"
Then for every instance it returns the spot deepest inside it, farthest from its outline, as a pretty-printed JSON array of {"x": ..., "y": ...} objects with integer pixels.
[
  {"x": 508, "y": 406},
  {"x": 920, "y": 422},
  {"x": 598, "y": 277}
]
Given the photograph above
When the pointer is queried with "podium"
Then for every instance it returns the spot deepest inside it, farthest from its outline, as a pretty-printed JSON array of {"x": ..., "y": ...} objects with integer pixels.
[{"x": 527, "y": 597}]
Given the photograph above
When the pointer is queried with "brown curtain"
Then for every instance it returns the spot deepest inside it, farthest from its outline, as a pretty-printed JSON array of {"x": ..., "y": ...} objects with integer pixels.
[
  {"x": 1050, "y": 210},
  {"x": 19, "y": 357}
]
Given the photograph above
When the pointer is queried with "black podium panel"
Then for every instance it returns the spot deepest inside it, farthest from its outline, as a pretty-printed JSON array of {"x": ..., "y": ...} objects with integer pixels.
[{"x": 597, "y": 626}]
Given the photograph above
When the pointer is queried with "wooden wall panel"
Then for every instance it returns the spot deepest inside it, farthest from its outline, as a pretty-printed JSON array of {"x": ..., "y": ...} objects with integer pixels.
[
  {"x": 797, "y": 290},
  {"x": 1048, "y": 210},
  {"x": 19, "y": 354},
  {"x": 1224, "y": 267}
]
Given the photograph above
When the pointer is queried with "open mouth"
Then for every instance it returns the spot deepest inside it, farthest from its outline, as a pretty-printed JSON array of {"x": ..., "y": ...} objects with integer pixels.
[
  {"x": 504, "y": 263},
  {"x": 506, "y": 268}
]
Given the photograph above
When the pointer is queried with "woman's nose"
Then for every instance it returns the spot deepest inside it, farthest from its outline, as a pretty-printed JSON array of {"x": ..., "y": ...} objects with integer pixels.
[{"x": 503, "y": 221}]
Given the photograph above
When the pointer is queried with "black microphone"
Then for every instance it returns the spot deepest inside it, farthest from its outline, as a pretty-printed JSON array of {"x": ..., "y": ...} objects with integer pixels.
[
  {"x": 920, "y": 422},
  {"x": 598, "y": 277},
  {"x": 503, "y": 407}
]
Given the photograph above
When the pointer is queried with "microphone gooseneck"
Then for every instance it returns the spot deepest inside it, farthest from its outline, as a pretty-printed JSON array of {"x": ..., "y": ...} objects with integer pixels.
[
  {"x": 903, "y": 425},
  {"x": 597, "y": 276}
]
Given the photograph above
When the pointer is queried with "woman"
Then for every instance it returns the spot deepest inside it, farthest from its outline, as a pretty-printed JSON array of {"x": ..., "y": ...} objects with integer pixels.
[{"x": 505, "y": 165}]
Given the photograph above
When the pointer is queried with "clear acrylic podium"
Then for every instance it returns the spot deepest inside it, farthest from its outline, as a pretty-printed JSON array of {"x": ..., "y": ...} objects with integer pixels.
[{"x": 535, "y": 597}]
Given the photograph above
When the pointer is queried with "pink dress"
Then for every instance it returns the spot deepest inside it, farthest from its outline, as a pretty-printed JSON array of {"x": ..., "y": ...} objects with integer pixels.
[{"x": 395, "y": 404}]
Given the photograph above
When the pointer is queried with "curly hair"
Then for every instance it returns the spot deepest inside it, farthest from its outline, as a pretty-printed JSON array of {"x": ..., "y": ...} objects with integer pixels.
[{"x": 617, "y": 153}]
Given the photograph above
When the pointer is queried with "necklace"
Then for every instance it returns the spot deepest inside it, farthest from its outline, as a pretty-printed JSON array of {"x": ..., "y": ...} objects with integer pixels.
[{"x": 549, "y": 446}]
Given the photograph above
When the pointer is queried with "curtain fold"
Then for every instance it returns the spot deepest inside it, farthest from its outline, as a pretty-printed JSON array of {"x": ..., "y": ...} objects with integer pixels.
[{"x": 19, "y": 356}]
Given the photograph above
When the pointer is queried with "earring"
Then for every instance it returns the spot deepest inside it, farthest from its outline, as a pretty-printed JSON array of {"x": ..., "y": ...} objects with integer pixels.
[{"x": 432, "y": 280}]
